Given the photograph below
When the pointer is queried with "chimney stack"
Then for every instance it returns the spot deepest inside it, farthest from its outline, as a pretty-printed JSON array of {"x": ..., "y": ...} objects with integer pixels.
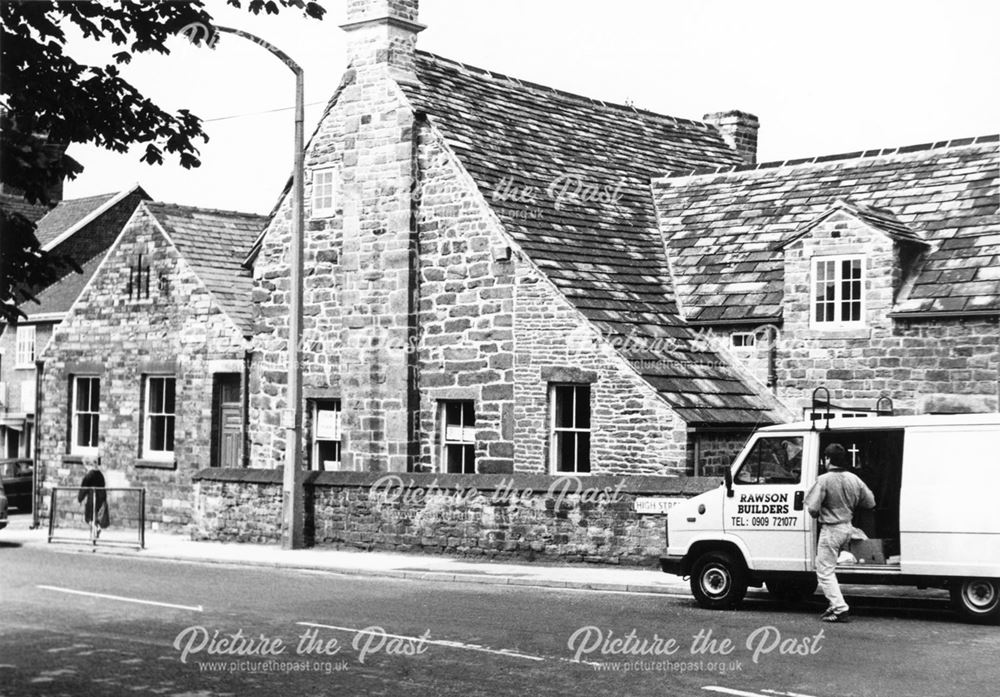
[
  {"x": 382, "y": 32},
  {"x": 739, "y": 130}
]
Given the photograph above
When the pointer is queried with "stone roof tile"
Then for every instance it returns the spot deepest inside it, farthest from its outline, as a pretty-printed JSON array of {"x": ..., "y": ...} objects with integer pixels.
[
  {"x": 944, "y": 194},
  {"x": 601, "y": 248},
  {"x": 215, "y": 243}
]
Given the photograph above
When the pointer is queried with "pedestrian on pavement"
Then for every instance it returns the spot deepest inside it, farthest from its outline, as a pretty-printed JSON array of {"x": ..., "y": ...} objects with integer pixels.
[
  {"x": 833, "y": 499},
  {"x": 95, "y": 503}
]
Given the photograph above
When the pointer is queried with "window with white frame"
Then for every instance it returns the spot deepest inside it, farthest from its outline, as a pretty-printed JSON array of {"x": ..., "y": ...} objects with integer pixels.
[
  {"x": 743, "y": 341},
  {"x": 25, "y": 339},
  {"x": 837, "y": 284},
  {"x": 85, "y": 414},
  {"x": 570, "y": 431},
  {"x": 324, "y": 190},
  {"x": 458, "y": 437},
  {"x": 159, "y": 415},
  {"x": 326, "y": 435}
]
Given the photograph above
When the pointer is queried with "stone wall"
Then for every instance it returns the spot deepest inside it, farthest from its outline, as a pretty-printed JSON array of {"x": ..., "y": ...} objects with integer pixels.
[
  {"x": 466, "y": 311},
  {"x": 180, "y": 331},
  {"x": 923, "y": 365},
  {"x": 632, "y": 429},
  {"x": 358, "y": 330},
  {"x": 486, "y": 516},
  {"x": 712, "y": 453},
  {"x": 414, "y": 294}
]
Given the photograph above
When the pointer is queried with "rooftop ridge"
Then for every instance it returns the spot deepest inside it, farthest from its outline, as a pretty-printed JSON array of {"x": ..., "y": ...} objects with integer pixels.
[
  {"x": 572, "y": 95},
  {"x": 838, "y": 157},
  {"x": 86, "y": 198},
  {"x": 217, "y": 211}
]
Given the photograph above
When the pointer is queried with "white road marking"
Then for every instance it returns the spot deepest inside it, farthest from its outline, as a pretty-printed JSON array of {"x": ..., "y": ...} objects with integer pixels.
[
  {"x": 729, "y": 691},
  {"x": 436, "y": 642},
  {"x": 742, "y": 693},
  {"x": 123, "y": 599}
]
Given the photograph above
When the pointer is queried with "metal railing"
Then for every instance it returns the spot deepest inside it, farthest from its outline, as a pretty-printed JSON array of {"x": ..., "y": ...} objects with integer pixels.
[{"x": 98, "y": 515}]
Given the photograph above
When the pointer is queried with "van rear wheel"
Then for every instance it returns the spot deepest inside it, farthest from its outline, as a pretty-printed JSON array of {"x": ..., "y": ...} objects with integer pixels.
[
  {"x": 718, "y": 581},
  {"x": 977, "y": 599}
]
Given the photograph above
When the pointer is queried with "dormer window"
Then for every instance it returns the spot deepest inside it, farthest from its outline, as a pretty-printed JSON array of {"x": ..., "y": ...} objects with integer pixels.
[
  {"x": 324, "y": 189},
  {"x": 837, "y": 291}
]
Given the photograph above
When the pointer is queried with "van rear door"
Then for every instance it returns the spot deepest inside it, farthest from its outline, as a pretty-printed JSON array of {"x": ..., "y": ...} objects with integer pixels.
[{"x": 766, "y": 509}]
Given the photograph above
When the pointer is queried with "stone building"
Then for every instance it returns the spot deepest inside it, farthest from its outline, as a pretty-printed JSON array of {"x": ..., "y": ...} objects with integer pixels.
[
  {"x": 82, "y": 230},
  {"x": 146, "y": 373},
  {"x": 874, "y": 274},
  {"x": 486, "y": 286}
]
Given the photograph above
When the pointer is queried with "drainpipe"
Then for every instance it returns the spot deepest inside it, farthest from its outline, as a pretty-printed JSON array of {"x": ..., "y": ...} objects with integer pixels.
[
  {"x": 247, "y": 357},
  {"x": 36, "y": 437}
]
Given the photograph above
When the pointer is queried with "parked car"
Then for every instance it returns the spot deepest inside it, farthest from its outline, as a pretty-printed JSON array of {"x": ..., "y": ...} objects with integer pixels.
[
  {"x": 16, "y": 475},
  {"x": 3, "y": 508}
]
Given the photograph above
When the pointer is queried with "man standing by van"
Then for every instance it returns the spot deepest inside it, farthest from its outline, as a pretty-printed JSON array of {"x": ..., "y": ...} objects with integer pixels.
[{"x": 833, "y": 499}]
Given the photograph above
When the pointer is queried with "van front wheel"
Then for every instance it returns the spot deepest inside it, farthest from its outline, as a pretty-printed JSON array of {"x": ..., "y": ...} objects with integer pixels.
[
  {"x": 977, "y": 599},
  {"x": 718, "y": 581}
]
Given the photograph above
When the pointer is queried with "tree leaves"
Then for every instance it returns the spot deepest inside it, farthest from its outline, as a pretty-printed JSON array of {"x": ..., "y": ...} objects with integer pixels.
[{"x": 51, "y": 101}]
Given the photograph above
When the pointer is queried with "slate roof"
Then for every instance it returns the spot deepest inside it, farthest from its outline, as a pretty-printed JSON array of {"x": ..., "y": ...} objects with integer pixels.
[
  {"x": 86, "y": 244},
  {"x": 725, "y": 228},
  {"x": 603, "y": 252},
  {"x": 13, "y": 203},
  {"x": 60, "y": 296},
  {"x": 215, "y": 243},
  {"x": 879, "y": 218},
  {"x": 67, "y": 214}
]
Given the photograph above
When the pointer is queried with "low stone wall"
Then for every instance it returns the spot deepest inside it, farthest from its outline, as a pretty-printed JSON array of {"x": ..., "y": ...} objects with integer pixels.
[
  {"x": 570, "y": 519},
  {"x": 237, "y": 505}
]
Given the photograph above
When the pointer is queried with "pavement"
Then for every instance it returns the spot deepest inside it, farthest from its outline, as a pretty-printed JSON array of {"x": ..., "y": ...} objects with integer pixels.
[{"x": 181, "y": 548}]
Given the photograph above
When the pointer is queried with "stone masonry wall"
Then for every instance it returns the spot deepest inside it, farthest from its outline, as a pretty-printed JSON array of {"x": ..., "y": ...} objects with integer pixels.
[
  {"x": 632, "y": 429},
  {"x": 466, "y": 312},
  {"x": 926, "y": 365},
  {"x": 715, "y": 452},
  {"x": 178, "y": 331},
  {"x": 487, "y": 516},
  {"x": 358, "y": 327},
  {"x": 399, "y": 320}
]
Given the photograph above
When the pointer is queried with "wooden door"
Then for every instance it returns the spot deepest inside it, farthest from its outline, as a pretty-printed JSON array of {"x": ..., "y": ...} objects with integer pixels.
[{"x": 227, "y": 421}]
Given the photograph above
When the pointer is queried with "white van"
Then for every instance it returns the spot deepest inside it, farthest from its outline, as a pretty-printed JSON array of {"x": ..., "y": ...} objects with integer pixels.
[{"x": 936, "y": 522}]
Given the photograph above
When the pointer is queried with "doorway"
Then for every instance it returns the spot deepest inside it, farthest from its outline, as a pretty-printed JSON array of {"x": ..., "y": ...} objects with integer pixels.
[{"x": 227, "y": 421}]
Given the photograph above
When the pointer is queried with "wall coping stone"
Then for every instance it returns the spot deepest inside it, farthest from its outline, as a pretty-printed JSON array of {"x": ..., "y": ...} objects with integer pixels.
[{"x": 630, "y": 484}]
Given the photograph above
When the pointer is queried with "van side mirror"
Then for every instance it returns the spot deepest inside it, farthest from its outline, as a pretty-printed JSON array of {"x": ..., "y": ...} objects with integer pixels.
[{"x": 729, "y": 482}]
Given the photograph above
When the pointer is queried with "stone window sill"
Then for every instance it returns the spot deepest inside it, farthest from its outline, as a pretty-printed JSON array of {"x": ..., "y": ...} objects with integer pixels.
[
  {"x": 73, "y": 459},
  {"x": 157, "y": 464}
]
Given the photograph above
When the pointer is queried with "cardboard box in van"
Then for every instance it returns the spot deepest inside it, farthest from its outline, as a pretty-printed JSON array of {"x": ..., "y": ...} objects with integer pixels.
[{"x": 868, "y": 551}]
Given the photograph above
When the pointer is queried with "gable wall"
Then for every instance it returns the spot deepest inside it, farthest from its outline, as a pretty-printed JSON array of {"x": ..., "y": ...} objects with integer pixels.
[
  {"x": 179, "y": 330},
  {"x": 358, "y": 303},
  {"x": 484, "y": 328}
]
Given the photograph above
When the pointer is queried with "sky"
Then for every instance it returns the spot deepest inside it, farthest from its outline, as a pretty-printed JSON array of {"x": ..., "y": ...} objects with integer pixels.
[{"x": 823, "y": 77}]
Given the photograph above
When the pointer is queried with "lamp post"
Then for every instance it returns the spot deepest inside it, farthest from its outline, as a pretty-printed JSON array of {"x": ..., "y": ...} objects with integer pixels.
[{"x": 292, "y": 494}]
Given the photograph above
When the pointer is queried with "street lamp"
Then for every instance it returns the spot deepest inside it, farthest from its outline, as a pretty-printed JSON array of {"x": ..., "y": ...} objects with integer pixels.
[{"x": 292, "y": 494}]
